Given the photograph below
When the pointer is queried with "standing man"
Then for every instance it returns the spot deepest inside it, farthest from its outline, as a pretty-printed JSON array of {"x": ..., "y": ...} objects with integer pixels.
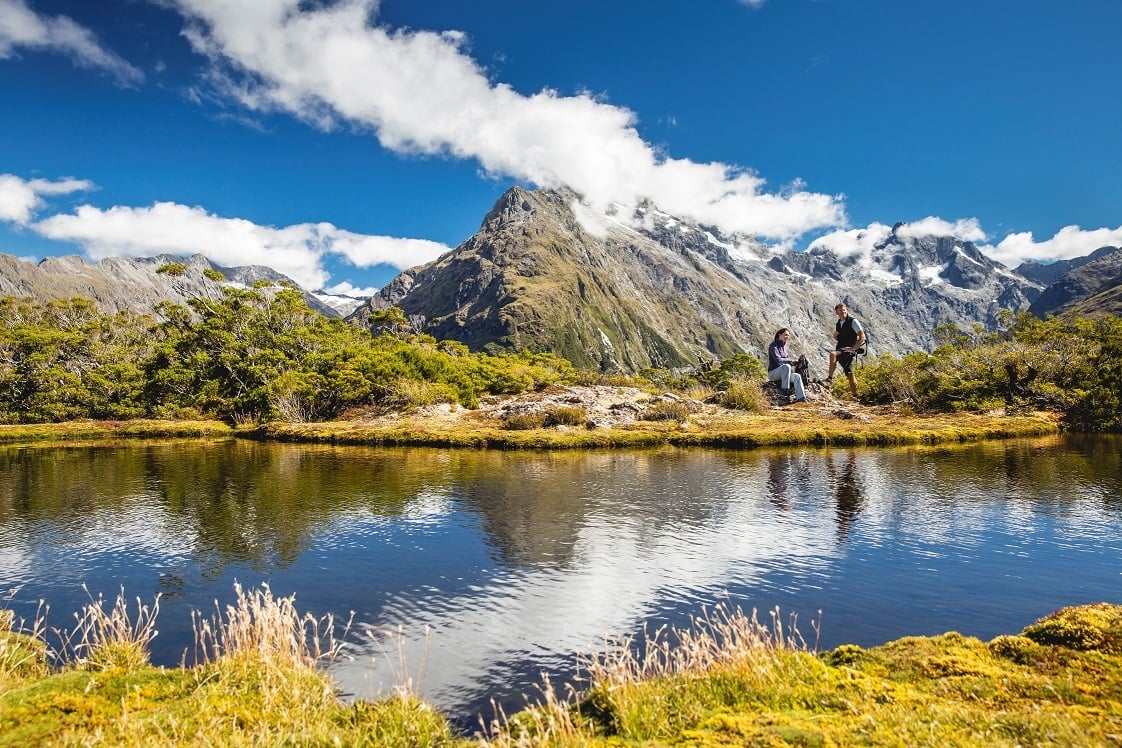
[{"x": 850, "y": 337}]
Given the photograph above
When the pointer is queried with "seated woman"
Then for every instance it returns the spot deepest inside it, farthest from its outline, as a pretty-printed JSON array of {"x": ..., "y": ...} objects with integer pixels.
[{"x": 781, "y": 367}]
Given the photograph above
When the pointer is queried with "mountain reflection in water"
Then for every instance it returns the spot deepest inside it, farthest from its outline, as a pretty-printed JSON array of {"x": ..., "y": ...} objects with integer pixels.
[{"x": 479, "y": 570}]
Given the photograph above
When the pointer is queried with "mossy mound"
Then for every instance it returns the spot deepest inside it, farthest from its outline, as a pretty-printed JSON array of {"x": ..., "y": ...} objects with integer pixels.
[{"x": 1095, "y": 627}]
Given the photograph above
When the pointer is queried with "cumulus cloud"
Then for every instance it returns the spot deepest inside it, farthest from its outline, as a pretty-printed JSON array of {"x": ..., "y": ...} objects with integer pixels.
[
  {"x": 852, "y": 242},
  {"x": 23, "y": 28},
  {"x": 19, "y": 198},
  {"x": 1068, "y": 242},
  {"x": 861, "y": 241},
  {"x": 349, "y": 289},
  {"x": 297, "y": 251},
  {"x": 966, "y": 229},
  {"x": 420, "y": 93}
]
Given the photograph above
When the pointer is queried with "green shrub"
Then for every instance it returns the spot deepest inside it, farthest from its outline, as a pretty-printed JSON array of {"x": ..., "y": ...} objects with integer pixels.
[{"x": 172, "y": 268}]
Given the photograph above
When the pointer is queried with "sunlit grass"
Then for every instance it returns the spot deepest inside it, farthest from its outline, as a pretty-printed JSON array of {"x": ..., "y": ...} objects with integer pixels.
[
  {"x": 260, "y": 680},
  {"x": 98, "y": 430},
  {"x": 733, "y": 429},
  {"x": 730, "y": 680},
  {"x": 726, "y": 679}
]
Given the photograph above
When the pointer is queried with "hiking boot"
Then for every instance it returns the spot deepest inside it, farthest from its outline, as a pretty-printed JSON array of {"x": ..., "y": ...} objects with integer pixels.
[{"x": 784, "y": 392}]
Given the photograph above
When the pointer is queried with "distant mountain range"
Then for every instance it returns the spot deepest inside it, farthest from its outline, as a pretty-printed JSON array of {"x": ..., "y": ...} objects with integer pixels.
[
  {"x": 544, "y": 273},
  {"x": 121, "y": 284},
  {"x": 1088, "y": 285}
]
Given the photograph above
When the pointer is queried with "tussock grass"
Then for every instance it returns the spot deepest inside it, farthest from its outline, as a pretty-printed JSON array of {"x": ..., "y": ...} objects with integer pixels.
[
  {"x": 106, "y": 639},
  {"x": 525, "y": 421},
  {"x": 744, "y": 394},
  {"x": 665, "y": 410},
  {"x": 566, "y": 415},
  {"x": 23, "y": 648}
]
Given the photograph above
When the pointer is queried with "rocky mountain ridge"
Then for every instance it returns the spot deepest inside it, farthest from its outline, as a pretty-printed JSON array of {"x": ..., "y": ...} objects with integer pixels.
[{"x": 1100, "y": 273}]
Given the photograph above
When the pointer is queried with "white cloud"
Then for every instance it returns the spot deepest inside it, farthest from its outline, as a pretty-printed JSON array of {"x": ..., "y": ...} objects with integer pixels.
[
  {"x": 296, "y": 251},
  {"x": 348, "y": 289},
  {"x": 860, "y": 242},
  {"x": 1068, "y": 242},
  {"x": 364, "y": 250},
  {"x": 420, "y": 93},
  {"x": 966, "y": 229},
  {"x": 21, "y": 27},
  {"x": 19, "y": 198},
  {"x": 853, "y": 242}
]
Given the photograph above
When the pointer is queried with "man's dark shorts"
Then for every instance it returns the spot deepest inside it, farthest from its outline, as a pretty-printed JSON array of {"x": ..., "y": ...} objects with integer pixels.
[{"x": 845, "y": 359}]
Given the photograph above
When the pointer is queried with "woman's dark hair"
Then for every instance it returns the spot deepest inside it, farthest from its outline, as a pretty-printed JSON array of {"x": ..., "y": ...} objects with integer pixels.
[{"x": 780, "y": 331}]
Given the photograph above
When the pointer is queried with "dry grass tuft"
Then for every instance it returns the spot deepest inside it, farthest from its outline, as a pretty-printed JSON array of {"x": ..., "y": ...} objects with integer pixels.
[
  {"x": 23, "y": 652},
  {"x": 259, "y": 625},
  {"x": 666, "y": 410},
  {"x": 105, "y": 639},
  {"x": 744, "y": 394},
  {"x": 566, "y": 415}
]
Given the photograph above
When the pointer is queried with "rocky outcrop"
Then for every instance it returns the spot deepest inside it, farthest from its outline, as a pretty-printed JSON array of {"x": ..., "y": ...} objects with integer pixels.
[
  {"x": 543, "y": 273},
  {"x": 119, "y": 284}
]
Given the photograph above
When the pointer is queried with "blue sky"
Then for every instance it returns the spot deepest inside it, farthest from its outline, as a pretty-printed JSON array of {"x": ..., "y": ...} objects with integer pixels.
[{"x": 340, "y": 142}]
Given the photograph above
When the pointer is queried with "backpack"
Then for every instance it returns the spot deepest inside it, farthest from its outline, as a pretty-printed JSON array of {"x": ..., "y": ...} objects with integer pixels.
[{"x": 802, "y": 368}]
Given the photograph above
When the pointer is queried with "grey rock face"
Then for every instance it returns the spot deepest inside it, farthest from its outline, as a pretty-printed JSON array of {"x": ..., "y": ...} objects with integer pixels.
[{"x": 603, "y": 293}]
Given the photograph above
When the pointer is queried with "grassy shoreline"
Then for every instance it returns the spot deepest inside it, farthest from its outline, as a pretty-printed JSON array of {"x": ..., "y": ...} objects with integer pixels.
[
  {"x": 739, "y": 431},
  {"x": 725, "y": 680}
]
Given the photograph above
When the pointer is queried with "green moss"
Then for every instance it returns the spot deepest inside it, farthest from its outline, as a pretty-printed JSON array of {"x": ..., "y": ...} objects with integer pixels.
[
  {"x": 1019, "y": 649},
  {"x": 1085, "y": 627}
]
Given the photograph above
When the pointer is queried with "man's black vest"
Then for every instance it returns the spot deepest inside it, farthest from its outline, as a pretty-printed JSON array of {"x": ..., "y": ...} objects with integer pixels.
[{"x": 847, "y": 336}]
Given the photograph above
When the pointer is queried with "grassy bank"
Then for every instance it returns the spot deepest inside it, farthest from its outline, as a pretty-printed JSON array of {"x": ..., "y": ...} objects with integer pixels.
[
  {"x": 726, "y": 680},
  {"x": 101, "y": 430},
  {"x": 783, "y": 428},
  {"x": 828, "y": 423}
]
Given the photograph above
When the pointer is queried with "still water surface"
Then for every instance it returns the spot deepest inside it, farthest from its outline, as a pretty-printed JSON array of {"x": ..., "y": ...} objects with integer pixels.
[{"x": 492, "y": 567}]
